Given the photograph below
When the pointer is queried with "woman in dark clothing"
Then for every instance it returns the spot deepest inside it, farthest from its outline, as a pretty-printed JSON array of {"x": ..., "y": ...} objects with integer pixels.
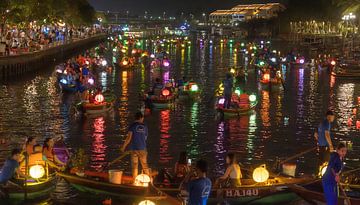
[{"x": 331, "y": 178}]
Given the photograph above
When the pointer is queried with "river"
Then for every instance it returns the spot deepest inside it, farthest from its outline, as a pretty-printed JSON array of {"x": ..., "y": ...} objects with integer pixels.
[{"x": 282, "y": 124}]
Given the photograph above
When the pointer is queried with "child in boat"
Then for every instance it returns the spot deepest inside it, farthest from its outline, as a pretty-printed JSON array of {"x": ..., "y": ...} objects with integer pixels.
[
  {"x": 331, "y": 178},
  {"x": 232, "y": 175},
  {"x": 11, "y": 167},
  {"x": 29, "y": 145},
  {"x": 49, "y": 155}
]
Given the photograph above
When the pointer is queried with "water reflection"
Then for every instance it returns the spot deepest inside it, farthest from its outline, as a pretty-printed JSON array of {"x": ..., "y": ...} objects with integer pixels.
[{"x": 98, "y": 148}]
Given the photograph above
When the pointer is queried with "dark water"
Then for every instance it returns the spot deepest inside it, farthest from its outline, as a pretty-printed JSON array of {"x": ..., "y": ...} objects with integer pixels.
[{"x": 282, "y": 125}]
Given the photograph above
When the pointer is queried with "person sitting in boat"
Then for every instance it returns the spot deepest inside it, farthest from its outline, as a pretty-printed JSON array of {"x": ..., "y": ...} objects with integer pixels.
[
  {"x": 157, "y": 87},
  {"x": 331, "y": 178},
  {"x": 29, "y": 146},
  {"x": 228, "y": 85},
  {"x": 232, "y": 175},
  {"x": 11, "y": 167},
  {"x": 198, "y": 185},
  {"x": 49, "y": 155},
  {"x": 182, "y": 168}
]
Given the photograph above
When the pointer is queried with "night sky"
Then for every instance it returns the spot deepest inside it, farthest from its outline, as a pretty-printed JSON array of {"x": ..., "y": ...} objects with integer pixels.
[{"x": 170, "y": 6}]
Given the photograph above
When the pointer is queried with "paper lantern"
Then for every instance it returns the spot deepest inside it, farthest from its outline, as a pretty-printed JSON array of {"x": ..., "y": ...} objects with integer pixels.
[
  {"x": 37, "y": 171},
  {"x": 322, "y": 169},
  {"x": 99, "y": 98},
  {"x": 260, "y": 174},
  {"x": 232, "y": 70},
  {"x": 125, "y": 62},
  {"x": 194, "y": 88},
  {"x": 266, "y": 77},
  {"x": 91, "y": 81},
  {"x": 302, "y": 61},
  {"x": 166, "y": 63},
  {"x": 142, "y": 180},
  {"x": 221, "y": 101},
  {"x": 237, "y": 91},
  {"x": 165, "y": 92},
  {"x": 103, "y": 62},
  {"x": 63, "y": 81},
  {"x": 333, "y": 63},
  {"x": 147, "y": 202},
  {"x": 152, "y": 56},
  {"x": 252, "y": 98}
]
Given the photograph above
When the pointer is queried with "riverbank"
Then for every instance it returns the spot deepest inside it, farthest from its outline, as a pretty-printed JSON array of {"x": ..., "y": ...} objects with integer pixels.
[{"x": 15, "y": 66}]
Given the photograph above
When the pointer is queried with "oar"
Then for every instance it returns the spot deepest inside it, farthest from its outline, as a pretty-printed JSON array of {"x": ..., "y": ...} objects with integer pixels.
[
  {"x": 124, "y": 154},
  {"x": 296, "y": 156},
  {"x": 347, "y": 199}
]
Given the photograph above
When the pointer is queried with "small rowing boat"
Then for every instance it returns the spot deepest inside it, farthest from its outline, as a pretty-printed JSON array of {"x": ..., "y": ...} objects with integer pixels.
[{"x": 313, "y": 193}]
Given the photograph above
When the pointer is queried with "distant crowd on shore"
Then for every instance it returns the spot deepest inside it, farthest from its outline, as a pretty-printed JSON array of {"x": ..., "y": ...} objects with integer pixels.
[{"x": 14, "y": 41}]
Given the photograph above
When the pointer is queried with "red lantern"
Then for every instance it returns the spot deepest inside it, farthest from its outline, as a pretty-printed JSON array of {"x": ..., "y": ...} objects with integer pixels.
[
  {"x": 266, "y": 77},
  {"x": 357, "y": 124},
  {"x": 99, "y": 98},
  {"x": 165, "y": 92},
  {"x": 350, "y": 122}
]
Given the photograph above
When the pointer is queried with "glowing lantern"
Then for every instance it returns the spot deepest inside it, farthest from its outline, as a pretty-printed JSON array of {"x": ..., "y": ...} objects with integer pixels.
[
  {"x": 87, "y": 62},
  {"x": 273, "y": 60},
  {"x": 59, "y": 71},
  {"x": 166, "y": 63},
  {"x": 37, "y": 171},
  {"x": 357, "y": 124},
  {"x": 91, "y": 81},
  {"x": 333, "y": 63},
  {"x": 261, "y": 63},
  {"x": 194, "y": 88},
  {"x": 237, "y": 91},
  {"x": 232, "y": 70},
  {"x": 252, "y": 98},
  {"x": 349, "y": 122},
  {"x": 125, "y": 62},
  {"x": 260, "y": 174},
  {"x": 322, "y": 169},
  {"x": 123, "y": 50},
  {"x": 165, "y": 92},
  {"x": 63, "y": 81},
  {"x": 221, "y": 101},
  {"x": 302, "y": 61},
  {"x": 266, "y": 77},
  {"x": 133, "y": 51},
  {"x": 142, "y": 180},
  {"x": 99, "y": 98},
  {"x": 103, "y": 62},
  {"x": 147, "y": 202},
  {"x": 114, "y": 49},
  {"x": 152, "y": 56}
]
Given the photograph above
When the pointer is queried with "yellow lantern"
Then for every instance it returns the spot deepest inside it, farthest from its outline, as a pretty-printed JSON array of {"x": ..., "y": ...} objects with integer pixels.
[
  {"x": 37, "y": 171},
  {"x": 146, "y": 202},
  {"x": 142, "y": 180},
  {"x": 322, "y": 169},
  {"x": 260, "y": 174}
]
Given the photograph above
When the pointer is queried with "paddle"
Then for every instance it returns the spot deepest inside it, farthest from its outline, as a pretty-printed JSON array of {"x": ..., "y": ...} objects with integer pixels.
[
  {"x": 123, "y": 155},
  {"x": 294, "y": 156},
  {"x": 347, "y": 200}
]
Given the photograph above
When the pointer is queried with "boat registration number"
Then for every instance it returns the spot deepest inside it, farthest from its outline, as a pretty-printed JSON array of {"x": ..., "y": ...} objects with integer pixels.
[{"x": 232, "y": 193}]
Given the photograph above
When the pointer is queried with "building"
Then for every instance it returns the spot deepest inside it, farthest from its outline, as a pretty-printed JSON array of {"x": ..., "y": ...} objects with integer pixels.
[{"x": 241, "y": 13}]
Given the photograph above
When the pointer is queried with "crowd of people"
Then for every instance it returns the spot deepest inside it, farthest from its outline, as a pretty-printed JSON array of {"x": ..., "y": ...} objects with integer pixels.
[{"x": 14, "y": 40}]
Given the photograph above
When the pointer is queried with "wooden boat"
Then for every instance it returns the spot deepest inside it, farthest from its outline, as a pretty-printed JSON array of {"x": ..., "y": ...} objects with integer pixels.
[
  {"x": 96, "y": 108},
  {"x": 236, "y": 111},
  {"x": 98, "y": 184},
  {"x": 35, "y": 190},
  {"x": 273, "y": 192},
  {"x": 163, "y": 103},
  {"x": 313, "y": 193}
]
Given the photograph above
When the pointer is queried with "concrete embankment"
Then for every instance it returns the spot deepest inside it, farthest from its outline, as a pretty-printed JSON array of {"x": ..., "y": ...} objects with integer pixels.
[{"x": 18, "y": 65}]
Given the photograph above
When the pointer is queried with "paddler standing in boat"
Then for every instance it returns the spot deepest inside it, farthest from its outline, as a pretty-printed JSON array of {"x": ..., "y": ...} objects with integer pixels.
[
  {"x": 323, "y": 137},
  {"x": 331, "y": 178},
  {"x": 198, "y": 185},
  {"x": 136, "y": 138},
  {"x": 228, "y": 85}
]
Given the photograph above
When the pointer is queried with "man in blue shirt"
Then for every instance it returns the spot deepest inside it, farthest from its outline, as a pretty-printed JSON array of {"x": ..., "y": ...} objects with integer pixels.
[
  {"x": 136, "y": 139},
  {"x": 199, "y": 187},
  {"x": 11, "y": 167},
  {"x": 323, "y": 137}
]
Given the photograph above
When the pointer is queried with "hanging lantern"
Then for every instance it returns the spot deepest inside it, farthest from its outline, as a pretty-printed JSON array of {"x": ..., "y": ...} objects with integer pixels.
[
  {"x": 147, "y": 202},
  {"x": 221, "y": 101},
  {"x": 37, "y": 171},
  {"x": 194, "y": 88},
  {"x": 91, "y": 81},
  {"x": 237, "y": 91},
  {"x": 125, "y": 62},
  {"x": 260, "y": 174},
  {"x": 165, "y": 92},
  {"x": 63, "y": 81},
  {"x": 266, "y": 77},
  {"x": 166, "y": 63},
  {"x": 99, "y": 98},
  {"x": 142, "y": 180}
]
